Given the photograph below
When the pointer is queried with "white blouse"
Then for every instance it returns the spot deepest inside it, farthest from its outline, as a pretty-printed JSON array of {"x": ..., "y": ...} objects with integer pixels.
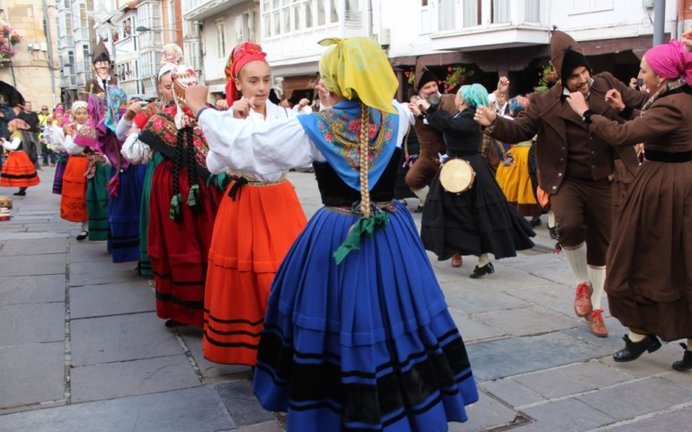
[
  {"x": 70, "y": 146},
  {"x": 12, "y": 145},
  {"x": 268, "y": 148}
]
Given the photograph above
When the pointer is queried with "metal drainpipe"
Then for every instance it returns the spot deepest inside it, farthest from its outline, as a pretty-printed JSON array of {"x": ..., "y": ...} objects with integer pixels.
[
  {"x": 198, "y": 54},
  {"x": 659, "y": 21}
]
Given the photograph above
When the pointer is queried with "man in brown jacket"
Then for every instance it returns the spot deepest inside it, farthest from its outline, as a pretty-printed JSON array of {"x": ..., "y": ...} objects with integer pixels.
[
  {"x": 574, "y": 166},
  {"x": 431, "y": 143}
]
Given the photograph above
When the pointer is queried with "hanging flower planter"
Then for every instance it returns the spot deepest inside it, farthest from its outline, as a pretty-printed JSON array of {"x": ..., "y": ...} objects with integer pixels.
[
  {"x": 456, "y": 77},
  {"x": 8, "y": 38}
]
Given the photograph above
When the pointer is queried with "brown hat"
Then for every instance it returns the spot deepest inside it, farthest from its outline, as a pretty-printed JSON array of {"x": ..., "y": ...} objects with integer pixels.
[
  {"x": 566, "y": 54},
  {"x": 101, "y": 53}
]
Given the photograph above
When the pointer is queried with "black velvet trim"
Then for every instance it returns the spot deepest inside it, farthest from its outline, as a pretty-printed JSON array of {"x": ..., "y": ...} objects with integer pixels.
[
  {"x": 211, "y": 329},
  {"x": 118, "y": 244},
  {"x": 233, "y": 321},
  {"x": 188, "y": 304},
  {"x": 18, "y": 176},
  {"x": 363, "y": 402},
  {"x": 669, "y": 157},
  {"x": 334, "y": 192},
  {"x": 213, "y": 341}
]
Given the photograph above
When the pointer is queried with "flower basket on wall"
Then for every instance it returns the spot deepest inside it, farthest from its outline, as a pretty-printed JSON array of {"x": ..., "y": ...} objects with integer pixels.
[{"x": 8, "y": 38}]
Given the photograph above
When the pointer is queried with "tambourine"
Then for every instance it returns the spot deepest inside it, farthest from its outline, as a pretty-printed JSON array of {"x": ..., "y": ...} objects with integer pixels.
[{"x": 457, "y": 176}]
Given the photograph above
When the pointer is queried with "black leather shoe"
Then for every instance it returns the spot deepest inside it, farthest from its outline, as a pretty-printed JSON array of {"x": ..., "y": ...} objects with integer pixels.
[
  {"x": 173, "y": 324},
  {"x": 479, "y": 272},
  {"x": 686, "y": 362},
  {"x": 536, "y": 221},
  {"x": 633, "y": 350},
  {"x": 83, "y": 235}
]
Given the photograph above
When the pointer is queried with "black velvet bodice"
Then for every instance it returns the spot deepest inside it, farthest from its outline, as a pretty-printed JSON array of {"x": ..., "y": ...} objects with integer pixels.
[{"x": 334, "y": 192}]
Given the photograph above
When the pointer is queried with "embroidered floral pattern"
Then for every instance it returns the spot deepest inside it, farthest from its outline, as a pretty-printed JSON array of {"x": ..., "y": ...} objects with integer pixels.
[
  {"x": 163, "y": 125},
  {"x": 342, "y": 131}
]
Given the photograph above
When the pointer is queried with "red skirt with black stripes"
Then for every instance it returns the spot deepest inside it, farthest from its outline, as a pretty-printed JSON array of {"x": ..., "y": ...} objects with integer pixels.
[
  {"x": 179, "y": 250},
  {"x": 252, "y": 235},
  {"x": 18, "y": 171}
]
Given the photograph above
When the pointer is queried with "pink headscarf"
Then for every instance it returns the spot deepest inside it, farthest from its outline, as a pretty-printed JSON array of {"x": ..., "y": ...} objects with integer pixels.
[{"x": 671, "y": 61}]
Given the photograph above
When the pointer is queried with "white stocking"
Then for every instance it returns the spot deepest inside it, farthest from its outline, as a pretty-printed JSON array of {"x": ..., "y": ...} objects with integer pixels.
[
  {"x": 577, "y": 262},
  {"x": 597, "y": 277},
  {"x": 421, "y": 193}
]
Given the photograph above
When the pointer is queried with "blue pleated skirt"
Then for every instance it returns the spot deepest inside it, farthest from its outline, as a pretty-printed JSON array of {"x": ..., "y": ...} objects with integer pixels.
[
  {"x": 365, "y": 345},
  {"x": 123, "y": 214}
]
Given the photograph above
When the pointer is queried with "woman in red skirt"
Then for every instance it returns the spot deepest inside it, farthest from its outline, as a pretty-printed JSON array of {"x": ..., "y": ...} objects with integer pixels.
[
  {"x": 18, "y": 170},
  {"x": 73, "y": 203},
  {"x": 259, "y": 218},
  {"x": 182, "y": 207}
]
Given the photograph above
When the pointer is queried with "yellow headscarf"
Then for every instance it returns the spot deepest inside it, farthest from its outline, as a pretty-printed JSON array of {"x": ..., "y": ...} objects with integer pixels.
[{"x": 358, "y": 67}]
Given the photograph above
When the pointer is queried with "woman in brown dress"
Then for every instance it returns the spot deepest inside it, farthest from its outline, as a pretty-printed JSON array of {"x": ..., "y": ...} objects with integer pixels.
[{"x": 649, "y": 283}]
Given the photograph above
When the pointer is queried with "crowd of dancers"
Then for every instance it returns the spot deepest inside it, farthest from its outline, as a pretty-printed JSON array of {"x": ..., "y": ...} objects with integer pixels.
[{"x": 338, "y": 331}]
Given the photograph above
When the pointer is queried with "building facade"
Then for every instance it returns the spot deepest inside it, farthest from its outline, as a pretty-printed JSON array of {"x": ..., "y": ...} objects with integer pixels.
[
  {"x": 135, "y": 32},
  {"x": 481, "y": 39},
  {"x": 76, "y": 36},
  {"x": 28, "y": 56}
]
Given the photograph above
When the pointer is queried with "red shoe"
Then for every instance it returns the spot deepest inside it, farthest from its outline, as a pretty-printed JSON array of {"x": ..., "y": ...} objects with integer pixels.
[
  {"x": 582, "y": 300},
  {"x": 596, "y": 323},
  {"x": 457, "y": 261}
]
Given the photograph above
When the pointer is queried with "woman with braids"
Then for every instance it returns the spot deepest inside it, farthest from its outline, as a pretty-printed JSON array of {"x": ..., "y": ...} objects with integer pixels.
[
  {"x": 182, "y": 210},
  {"x": 259, "y": 219},
  {"x": 352, "y": 340}
]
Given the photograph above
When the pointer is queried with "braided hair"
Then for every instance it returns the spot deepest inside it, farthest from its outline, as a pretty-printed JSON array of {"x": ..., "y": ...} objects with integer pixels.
[
  {"x": 193, "y": 195},
  {"x": 364, "y": 155},
  {"x": 174, "y": 211}
]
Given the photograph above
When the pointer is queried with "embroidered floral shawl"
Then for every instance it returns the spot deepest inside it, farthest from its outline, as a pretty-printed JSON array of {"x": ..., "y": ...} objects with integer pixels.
[{"x": 336, "y": 132}]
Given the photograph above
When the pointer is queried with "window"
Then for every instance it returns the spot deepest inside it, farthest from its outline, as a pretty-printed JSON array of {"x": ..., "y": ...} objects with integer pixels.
[
  {"x": 501, "y": 11},
  {"x": 446, "y": 14},
  {"x": 352, "y": 10},
  {"x": 286, "y": 20},
  {"x": 321, "y": 13},
  {"x": 472, "y": 13},
  {"x": 221, "y": 38},
  {"x": 68, "y": 23},
  {"x": 295, "y": 11},
  {"x": 333, "y": 15},
  {"x": 171, "y": 21},
  {"x": 532, "y": 11},
  {"x": 309, "y": 18},
  {"x": 83, "y": 18}
]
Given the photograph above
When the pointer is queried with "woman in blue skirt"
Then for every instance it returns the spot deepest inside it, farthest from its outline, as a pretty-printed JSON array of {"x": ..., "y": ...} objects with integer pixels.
[{"x": 353, "y": 339}]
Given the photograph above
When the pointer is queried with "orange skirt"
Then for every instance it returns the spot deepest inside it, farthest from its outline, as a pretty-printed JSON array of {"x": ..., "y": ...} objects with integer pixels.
[
  {"x": 18, "y": 171},
  {"x": 74, "y": 185},
  {"x": 252, "y": 234}
]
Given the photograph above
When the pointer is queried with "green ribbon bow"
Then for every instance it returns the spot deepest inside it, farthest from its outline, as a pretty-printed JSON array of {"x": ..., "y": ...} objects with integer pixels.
[{"x": 363, "y": 227}]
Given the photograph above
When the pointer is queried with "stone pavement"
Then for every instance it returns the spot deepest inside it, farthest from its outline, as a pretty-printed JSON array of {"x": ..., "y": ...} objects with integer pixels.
[{"x": 82, "y": 349}]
